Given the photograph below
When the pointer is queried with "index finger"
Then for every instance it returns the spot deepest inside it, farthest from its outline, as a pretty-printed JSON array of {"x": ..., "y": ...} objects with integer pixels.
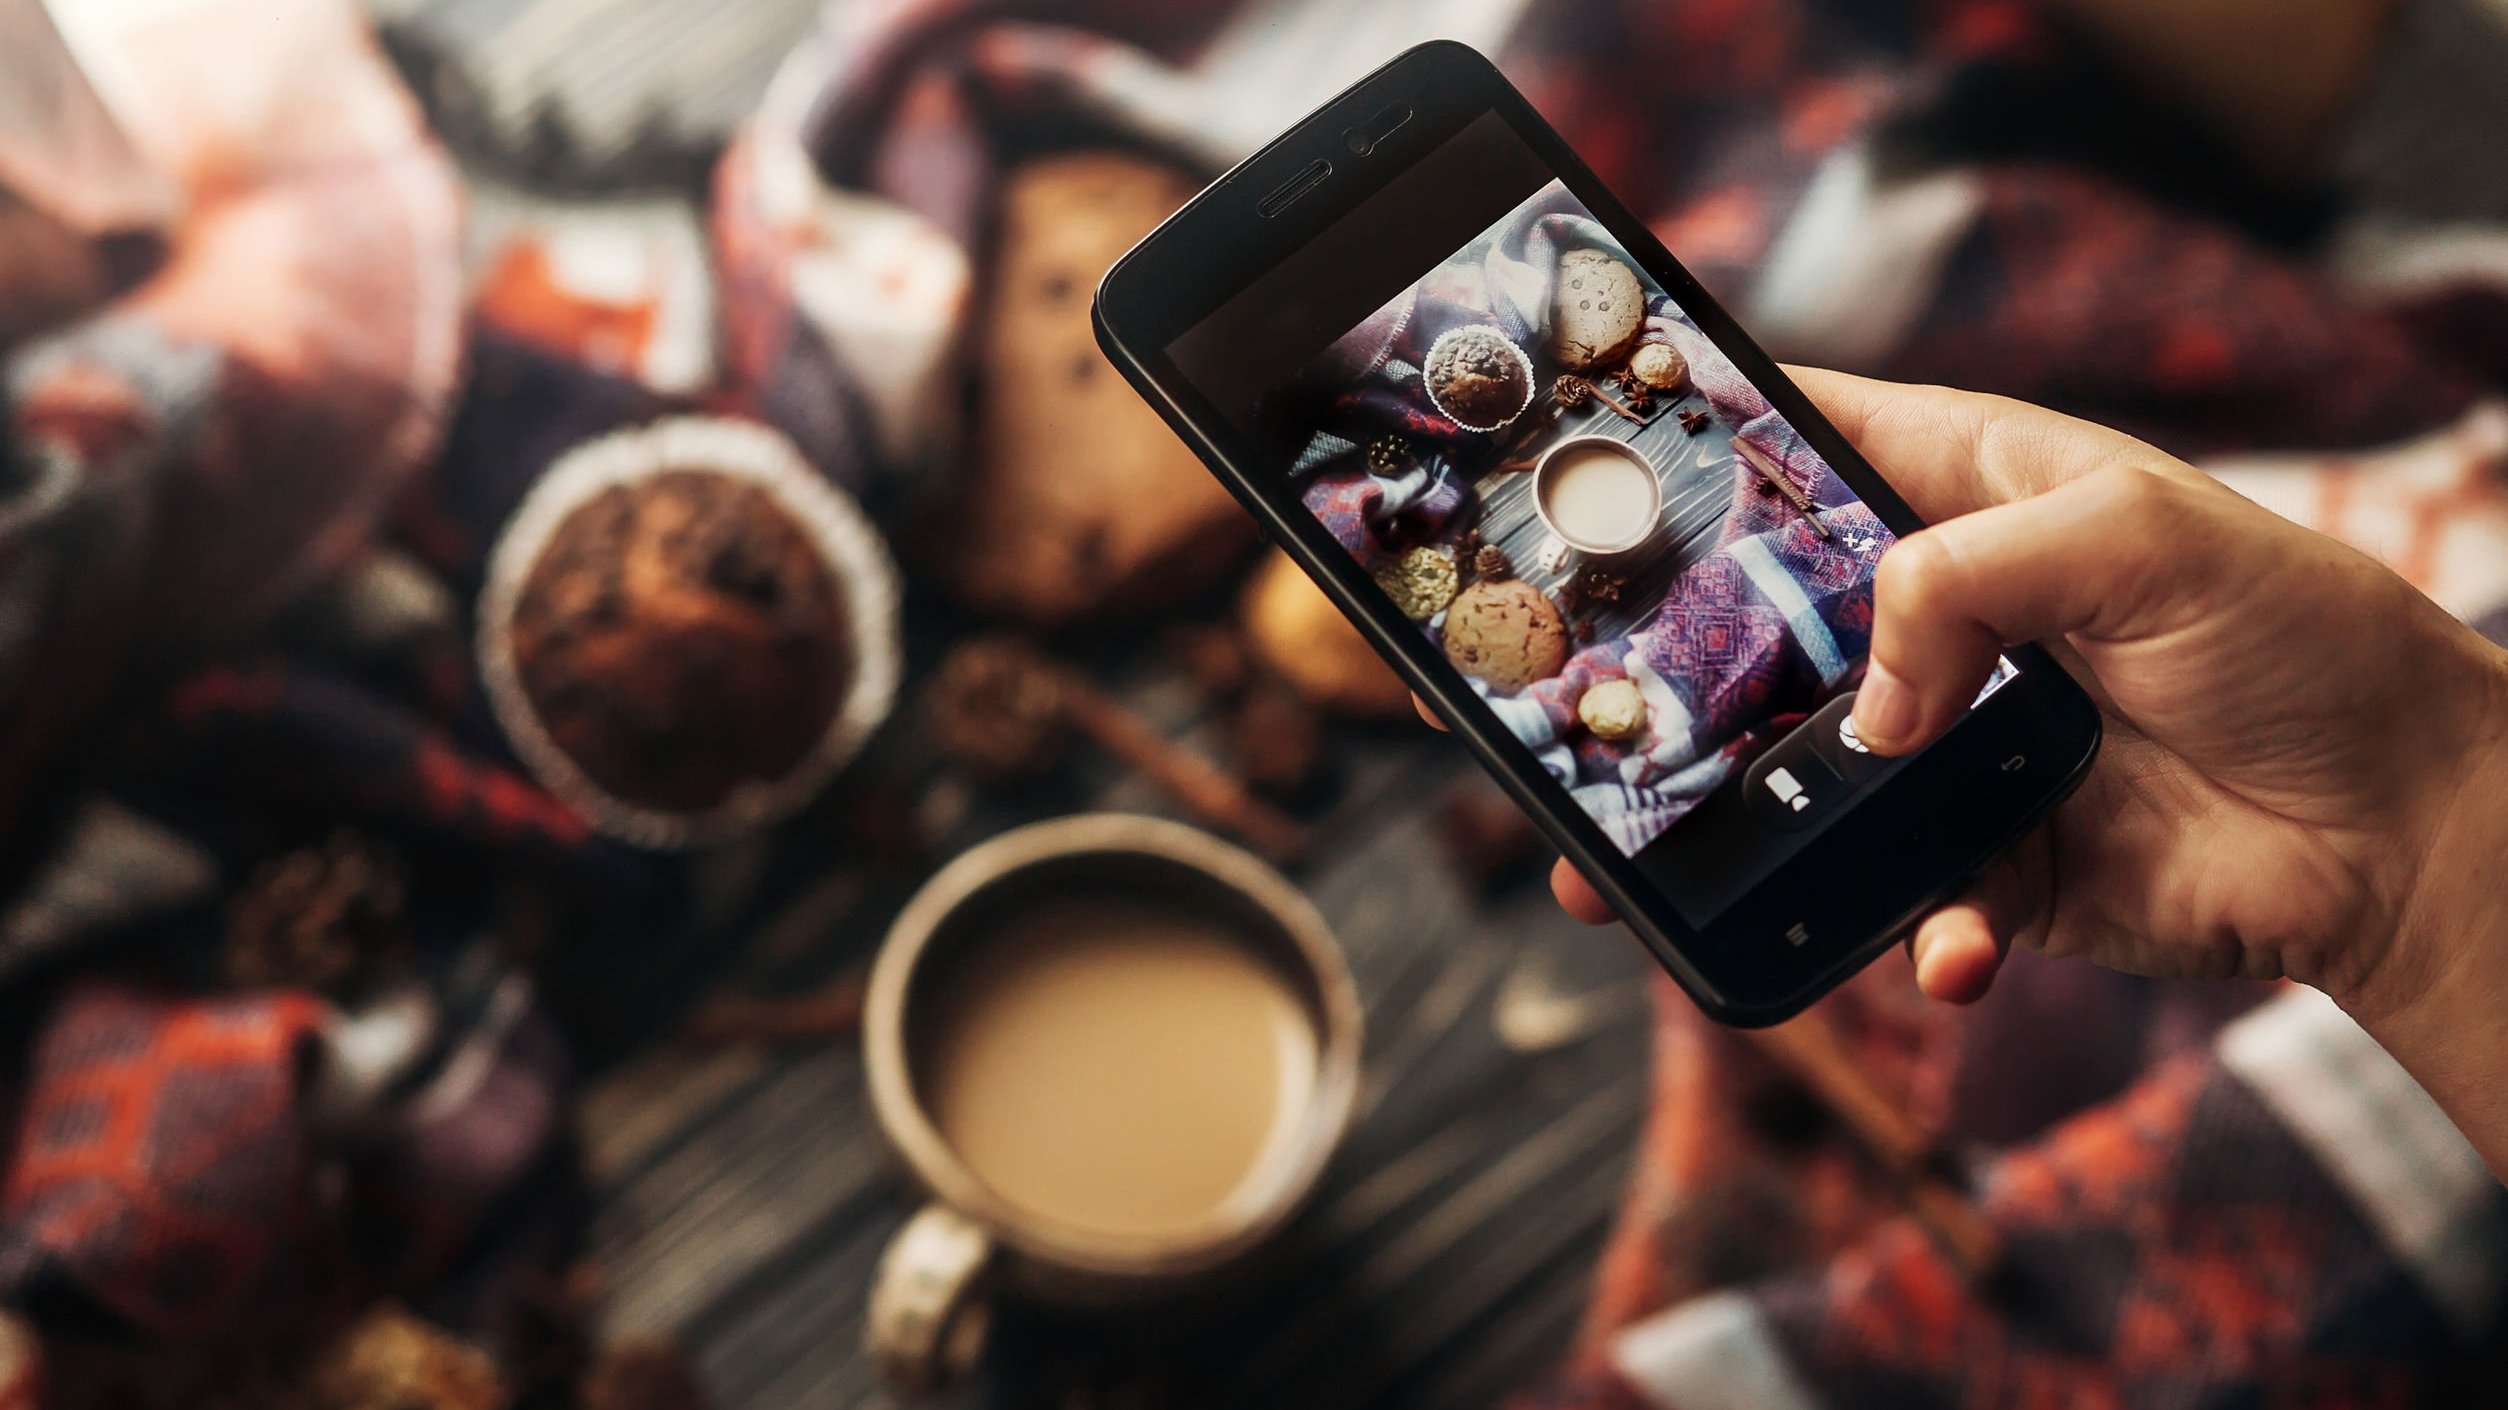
[
  {"x": 1950, "y": 452},
  {"x": 1427, "y": 712}
]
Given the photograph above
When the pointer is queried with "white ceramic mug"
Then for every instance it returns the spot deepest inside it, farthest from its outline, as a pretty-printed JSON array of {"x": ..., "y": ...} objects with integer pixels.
[{"x": 1632, "y": 493}]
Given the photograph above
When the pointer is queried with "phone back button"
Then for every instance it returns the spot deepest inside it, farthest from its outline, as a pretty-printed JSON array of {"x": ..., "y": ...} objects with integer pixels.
[{"x": 1790, "y": 787}]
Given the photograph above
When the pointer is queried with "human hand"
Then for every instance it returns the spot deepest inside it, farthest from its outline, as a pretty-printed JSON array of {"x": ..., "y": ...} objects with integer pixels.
[{"x": 2298, "y": 746}]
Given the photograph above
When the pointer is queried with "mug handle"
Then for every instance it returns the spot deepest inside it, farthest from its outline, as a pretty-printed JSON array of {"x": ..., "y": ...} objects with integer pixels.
[{"x": 929, "y": 1313}]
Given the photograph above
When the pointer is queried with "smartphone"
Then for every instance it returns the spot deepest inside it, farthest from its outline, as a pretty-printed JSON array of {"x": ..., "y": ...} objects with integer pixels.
[{"x": 1587, "y": 518}]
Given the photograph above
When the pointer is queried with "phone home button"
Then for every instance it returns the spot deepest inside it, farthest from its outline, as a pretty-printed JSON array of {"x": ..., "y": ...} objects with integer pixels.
[{"x": 1832, "y": 732}]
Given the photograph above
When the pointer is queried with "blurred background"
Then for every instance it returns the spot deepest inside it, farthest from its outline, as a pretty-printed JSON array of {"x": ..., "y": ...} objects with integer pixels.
[{"x": 380, "y": 1034}]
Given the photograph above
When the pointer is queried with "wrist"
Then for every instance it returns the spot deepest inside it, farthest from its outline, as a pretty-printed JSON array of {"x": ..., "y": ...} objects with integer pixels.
[
  {"x": 2434, "y": 1001},
  {"x": 2449, "y": 945}
]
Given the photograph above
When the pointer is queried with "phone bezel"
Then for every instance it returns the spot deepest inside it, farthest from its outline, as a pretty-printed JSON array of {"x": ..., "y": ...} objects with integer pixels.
[{"x": 1898, "y": 851}]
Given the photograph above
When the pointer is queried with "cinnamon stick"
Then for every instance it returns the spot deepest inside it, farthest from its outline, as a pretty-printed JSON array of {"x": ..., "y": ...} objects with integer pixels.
[
  {"x": 738, "y": 1020},
  {"x": 1783, "y": 483},
  {"x": 1002, "y": 707},
  {"x": 1583, "y": 387},
  {"x": 1201, "y": 785}
]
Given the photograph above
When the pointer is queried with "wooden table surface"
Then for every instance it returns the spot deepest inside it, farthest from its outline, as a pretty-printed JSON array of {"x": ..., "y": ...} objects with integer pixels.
[{"x": 744, "y": 1194}]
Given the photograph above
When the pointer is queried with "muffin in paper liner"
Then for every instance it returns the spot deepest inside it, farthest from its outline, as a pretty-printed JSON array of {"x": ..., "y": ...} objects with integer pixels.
[
  {"x": 860, "y": 570},
  {"x": 1514, "y": 397}
]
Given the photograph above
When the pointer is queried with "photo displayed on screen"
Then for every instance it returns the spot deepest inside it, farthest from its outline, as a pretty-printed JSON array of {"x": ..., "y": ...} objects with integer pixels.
[{"x": 1642, "y": 567}]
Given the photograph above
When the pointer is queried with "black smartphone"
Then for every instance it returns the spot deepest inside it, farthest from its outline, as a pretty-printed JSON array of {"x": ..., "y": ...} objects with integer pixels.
[{"x": 1587, "y": 518}]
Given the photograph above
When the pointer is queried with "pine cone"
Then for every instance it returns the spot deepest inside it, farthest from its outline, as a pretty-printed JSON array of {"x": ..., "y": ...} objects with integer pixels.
[
  {"x": 321, "y": 919},
  {"x": 1571, "y": 391},
  {"x": 1388, "y": 455},
  {"x": 1490, "y": 565},
  {"x": 996, "y": 709}
]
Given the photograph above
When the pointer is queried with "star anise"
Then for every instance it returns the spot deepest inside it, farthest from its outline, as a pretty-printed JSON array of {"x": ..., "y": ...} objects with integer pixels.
[
  {"x": 1596, "y": 587},
  {"x": 1694, "y": 421}
]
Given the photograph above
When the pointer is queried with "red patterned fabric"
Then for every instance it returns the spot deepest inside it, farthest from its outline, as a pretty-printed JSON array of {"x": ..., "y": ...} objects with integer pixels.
[
  {"x": 235, "y": 432},
  {"x": 160, "y": 1163}
]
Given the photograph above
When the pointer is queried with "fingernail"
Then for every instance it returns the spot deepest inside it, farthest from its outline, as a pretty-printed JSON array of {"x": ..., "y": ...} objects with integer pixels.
[{"x": 1886, "y": 710}]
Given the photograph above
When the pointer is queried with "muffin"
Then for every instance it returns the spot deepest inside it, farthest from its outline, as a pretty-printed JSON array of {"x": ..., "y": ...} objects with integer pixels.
[
  {"x": 1507, "y": 634},
  {"x": 1596, "y": 308},
  {"x": 686, "y": 631},
  {"x": 1478, "y": 378}
]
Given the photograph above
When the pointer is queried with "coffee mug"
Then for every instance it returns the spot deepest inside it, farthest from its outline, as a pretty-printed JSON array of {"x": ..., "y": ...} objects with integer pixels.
[
  {"x": 1598, "y": 495},
  {"x": 1116, "y": 1053}
]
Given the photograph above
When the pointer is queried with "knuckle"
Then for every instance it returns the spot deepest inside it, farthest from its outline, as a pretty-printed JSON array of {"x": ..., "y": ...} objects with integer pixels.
[
  {"x": 1918, "y": 570},
  {"x": 2134, "y": 498}
]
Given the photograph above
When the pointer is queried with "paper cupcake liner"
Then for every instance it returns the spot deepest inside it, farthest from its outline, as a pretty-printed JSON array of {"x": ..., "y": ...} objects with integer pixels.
[
  {"x": 865, "y": 574},
  {"x": 1522, "y": 360}
]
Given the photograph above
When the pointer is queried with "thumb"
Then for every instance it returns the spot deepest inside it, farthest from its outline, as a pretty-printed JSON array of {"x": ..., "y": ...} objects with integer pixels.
[{"x": 2118, "y": 553}]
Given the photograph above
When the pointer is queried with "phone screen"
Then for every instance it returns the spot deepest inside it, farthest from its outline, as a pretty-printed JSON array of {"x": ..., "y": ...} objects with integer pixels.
[{"x": 1648, "y": 576}]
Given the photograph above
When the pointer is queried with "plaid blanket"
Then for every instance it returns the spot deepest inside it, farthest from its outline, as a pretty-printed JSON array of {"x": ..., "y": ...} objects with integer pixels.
[{"x": 243, "y": 504}]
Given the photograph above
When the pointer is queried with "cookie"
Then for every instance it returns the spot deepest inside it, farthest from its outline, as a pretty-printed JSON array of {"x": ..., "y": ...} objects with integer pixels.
[
  {"x": 1507, "y": 634},
  {"x": 1660, "y": 366},
  {"x": 1596, "y": 308},
  {"x": 1478, "y": 377},
  {"x": 1080, "y": 501},
  {"x": 1613, "y": 710},
  {"x": 1421, "y": 582},
  {"x": 1305, "y": 640}
]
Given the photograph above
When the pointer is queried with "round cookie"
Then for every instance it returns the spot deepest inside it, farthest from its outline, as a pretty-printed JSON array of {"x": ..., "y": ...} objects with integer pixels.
[
  {"x": 1660, "y": 366},
  {"x": 1478, "y": 377},
  {"x": 1508, "y": 634},
  {"x": 1421, "y": 582},
  {"x": 1613, "y": 710},
  {"x": 1596, "y": 308}
]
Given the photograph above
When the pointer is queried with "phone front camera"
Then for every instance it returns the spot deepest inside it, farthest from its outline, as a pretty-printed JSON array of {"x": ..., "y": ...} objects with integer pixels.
[{"x": 1358, "y": 142}]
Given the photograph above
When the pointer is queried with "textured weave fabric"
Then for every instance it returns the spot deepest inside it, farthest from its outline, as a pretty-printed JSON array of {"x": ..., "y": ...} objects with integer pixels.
[{"x": 215, "y": 446}]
